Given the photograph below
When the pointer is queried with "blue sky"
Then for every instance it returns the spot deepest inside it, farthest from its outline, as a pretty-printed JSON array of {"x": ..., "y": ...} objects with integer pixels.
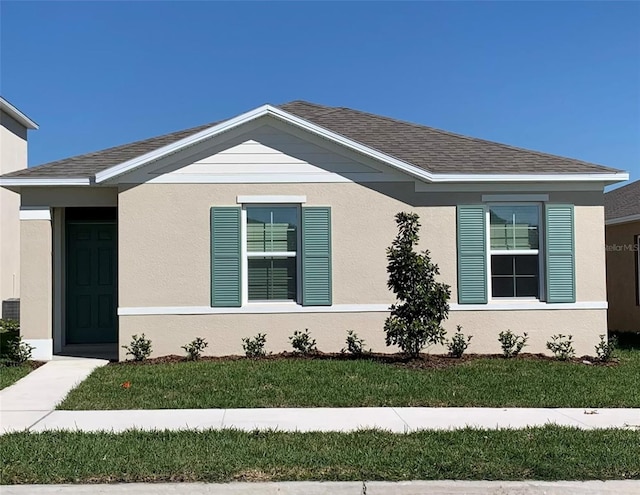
[{"x": 563, "y": 78}]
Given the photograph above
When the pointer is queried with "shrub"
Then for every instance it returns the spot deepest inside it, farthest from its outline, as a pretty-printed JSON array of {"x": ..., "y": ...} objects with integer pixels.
[
  {"x": 302, "y": 342},
  {"x": 605, "y": 348},
  {"x": 416, "y": 321},
  {"x": 511, "y": 343},
  {"x": 355, "y": 345},
  {"x": 254, "y": 347},
  {"x": 11, "y": 326},
  {"x": 140, "y": 348},
  {"x": 194, "y": 348},
  {"x": 458, "y": 343},
  {"x": 18, "y": 351},
  {"x": 561, "y": 346}
]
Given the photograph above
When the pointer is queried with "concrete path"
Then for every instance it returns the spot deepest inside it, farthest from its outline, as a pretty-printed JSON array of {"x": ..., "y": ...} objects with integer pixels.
[
  {"x": 341, "y": 488},
  {"x": 398, "y": 420},
  {"x": 33, "y": 397}
]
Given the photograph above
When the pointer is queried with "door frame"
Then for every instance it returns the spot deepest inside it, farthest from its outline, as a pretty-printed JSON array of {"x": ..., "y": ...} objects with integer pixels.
[{"x": 59, "y": 303}]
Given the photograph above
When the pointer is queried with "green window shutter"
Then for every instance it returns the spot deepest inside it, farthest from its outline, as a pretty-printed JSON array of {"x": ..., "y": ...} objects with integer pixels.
[
  {"x": 560, "y": 254},
  {"x": 472, "y": 255},
  {"x": 316, "y": 256},
  {"x": 225, "y": 257}
]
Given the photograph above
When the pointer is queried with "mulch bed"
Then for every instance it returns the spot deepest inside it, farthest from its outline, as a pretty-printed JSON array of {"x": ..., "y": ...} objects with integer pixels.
[{"x": 425, "y": 361}]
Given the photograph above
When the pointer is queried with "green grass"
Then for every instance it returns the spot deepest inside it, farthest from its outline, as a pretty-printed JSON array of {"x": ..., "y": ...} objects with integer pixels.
[
  {"x": 549, "y": 453},
  {"x": 341, "y": 383},
  {"x": 11, "y": 374}
]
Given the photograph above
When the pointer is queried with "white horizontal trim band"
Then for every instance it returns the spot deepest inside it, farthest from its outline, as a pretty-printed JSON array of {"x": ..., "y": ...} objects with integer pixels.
[
  {"x": 266, "y": 308},
  {"x": 279, "y": 308},
  {"x": 629, "y": 218},
  {"x": 528, "y": 306},
  {"x": 270, "y": 199},
  {"x": 39, "y": 181},
  {"x": 487, "y": 198},
  {"x": 43, "y": 349},
  {"x": 35, "y": 213}
]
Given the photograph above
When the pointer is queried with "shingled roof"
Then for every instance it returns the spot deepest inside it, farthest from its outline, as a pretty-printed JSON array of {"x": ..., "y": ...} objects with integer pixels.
[
  {"x": 622, "y": 202},
  {"x": 434, "y": 150}
]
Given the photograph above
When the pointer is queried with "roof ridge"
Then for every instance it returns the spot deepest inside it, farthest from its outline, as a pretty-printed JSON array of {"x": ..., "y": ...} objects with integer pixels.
[{"x": 470, "y": 138}]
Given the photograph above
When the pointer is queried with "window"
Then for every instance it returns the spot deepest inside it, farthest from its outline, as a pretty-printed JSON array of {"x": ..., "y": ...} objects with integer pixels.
[
  {"x": 263, "y": 252},
  {"x": 514, "y": 243},
  {"x": 272, "y": 253}
]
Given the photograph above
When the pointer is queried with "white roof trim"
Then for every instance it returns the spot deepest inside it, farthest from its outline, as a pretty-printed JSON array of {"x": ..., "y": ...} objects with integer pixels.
[
  {"x": 628, "y": 218},
  {"x": 42, "y": 181},
  {"x": 8, "y": 108},
  {"x": 412, "y": 170}
]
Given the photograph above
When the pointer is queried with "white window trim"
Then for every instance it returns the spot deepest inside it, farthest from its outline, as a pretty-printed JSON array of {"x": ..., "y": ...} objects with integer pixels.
[
  {"x": 538, "y": 252},
  {"x": 271, "y": 200},
  {"x": 244, "y": 263}
]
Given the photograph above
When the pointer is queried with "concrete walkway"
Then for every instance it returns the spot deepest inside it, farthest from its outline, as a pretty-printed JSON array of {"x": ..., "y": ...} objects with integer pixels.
[
  {"x": 33, "y": 397},
  {"x": 341, "y": 488},
  {"x": 30, "y": 404}
]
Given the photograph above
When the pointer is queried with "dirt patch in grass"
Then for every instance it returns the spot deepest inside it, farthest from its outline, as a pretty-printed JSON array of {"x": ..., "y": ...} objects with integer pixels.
[{"x": 424, "y": 361}]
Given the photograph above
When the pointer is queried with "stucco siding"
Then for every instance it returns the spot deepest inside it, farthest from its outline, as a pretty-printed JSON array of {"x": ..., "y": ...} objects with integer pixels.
[
  {"x": 225, "y": 332},
  {"x": 36, "y": 280},
  {"x": 624, "y": 311},
  {"x": 13, "y": 156}
]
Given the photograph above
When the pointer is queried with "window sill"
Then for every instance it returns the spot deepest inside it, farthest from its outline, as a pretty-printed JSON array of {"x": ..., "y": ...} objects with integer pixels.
[{"x": 527, "y": 305}]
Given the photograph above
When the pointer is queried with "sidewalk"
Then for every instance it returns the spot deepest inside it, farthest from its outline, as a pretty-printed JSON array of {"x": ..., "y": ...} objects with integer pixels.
[
  {"x": 37, "y": 394},
  {"x": 30, "y": 403},
  {"x": 341, "y": 488}
]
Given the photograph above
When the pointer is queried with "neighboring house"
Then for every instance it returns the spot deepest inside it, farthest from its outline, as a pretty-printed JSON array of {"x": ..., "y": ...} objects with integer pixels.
[
  {"x": 622, "y": 214},
  {"x": 278, "y": 220},
  {"x": 13, "y": 156}
]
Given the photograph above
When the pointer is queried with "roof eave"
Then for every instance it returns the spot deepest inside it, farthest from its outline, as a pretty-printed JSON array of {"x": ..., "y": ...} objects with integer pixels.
[
  {"x": 44, "y": 181},
  {"x": 17, "y": 115}
]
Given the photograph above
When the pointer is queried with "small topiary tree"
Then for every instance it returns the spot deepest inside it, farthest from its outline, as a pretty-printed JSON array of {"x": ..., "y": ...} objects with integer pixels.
[{"x": 417, "y": 320}]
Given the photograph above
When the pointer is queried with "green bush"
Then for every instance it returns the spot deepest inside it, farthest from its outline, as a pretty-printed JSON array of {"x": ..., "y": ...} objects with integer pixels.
[
  {"x": 140, "y": 348},
  {"x": 416, "y": 321},
  {"x": 605, "y": 348},
  {"x": 254, "y": 347},
  {"x": 561, "y": 346},
  {"x": 302, "y": 342},
  {"x": 458, "y": 343},
  {"x": 511, "y": 343},
  {"x": 355, "y": 345},
  {"x": 194, "y": 348},
  {"x": 18, "y": 351}
]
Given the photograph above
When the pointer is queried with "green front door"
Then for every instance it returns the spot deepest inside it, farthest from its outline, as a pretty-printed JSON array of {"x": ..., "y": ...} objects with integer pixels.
[{"x": 91, "y": 283}]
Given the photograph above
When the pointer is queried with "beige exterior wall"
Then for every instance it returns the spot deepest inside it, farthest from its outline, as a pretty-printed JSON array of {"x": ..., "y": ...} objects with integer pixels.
[
  {"x": 13, "y": 156},
  {"x": 36, "y": 280},
  {"x": 169, "y": 223},
  {"x": 225, "y": 332},
  {"x": 622, "y": 270}
]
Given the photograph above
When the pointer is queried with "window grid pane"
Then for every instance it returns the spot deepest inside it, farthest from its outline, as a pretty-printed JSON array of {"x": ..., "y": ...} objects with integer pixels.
[
  {"x": 514, "y": 276},
  {"x": 271, "y": 278},
  {"x": 514, "y": 227},
  {"x": 272, "y": 229}
]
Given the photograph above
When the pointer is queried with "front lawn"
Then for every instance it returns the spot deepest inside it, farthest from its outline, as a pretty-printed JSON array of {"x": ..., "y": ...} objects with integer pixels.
[
  {"x": 299, "y": 382},
  {"x": 549, "y": 453},
  {"x": 11, "y": 374}
]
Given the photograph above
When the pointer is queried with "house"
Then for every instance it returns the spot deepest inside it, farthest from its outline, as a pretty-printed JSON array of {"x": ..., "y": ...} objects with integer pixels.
[
  {"x": 277, "y": 220},
  {"x": 13, "y": 156},
  {"x": 622, "y": 218}
]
